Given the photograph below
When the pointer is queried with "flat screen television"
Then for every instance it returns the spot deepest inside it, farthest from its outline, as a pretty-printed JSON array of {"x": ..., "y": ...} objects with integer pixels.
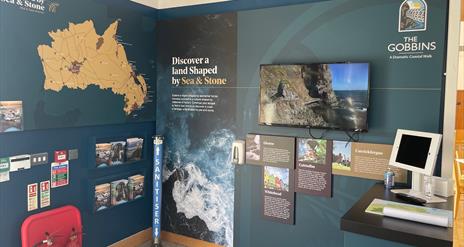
[{"x": 322, "y": 95}]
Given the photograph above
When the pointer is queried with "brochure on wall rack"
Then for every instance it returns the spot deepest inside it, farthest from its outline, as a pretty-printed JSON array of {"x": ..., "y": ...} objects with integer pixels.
[
  {"x": 313, "y": 174},
  {"x": 433, "y": 216}
]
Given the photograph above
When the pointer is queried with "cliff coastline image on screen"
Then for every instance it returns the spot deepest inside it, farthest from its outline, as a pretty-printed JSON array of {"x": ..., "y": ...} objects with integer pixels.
[{"x": 333, "y": 96}]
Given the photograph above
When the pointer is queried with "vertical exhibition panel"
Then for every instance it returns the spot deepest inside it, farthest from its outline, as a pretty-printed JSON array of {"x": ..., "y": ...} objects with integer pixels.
[{"x": 196, "y": 115}]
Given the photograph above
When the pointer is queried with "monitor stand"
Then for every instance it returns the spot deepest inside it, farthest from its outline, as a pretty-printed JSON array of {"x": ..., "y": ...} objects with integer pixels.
[{"x": 418, "y": 191}]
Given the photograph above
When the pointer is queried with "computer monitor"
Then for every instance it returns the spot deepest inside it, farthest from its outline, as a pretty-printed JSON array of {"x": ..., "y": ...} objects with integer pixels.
[{"x": 417, "y": 152}]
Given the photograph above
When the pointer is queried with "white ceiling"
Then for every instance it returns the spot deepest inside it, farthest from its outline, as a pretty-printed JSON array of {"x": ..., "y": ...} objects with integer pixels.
[{"x": 166, "y": 4}]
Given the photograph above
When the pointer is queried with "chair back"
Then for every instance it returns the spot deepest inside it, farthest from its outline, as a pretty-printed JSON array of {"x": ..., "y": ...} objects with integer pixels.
[{"x": 457, "y": 175}]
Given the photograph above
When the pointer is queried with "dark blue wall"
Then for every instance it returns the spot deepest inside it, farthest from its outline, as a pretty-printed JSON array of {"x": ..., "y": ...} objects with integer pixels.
[
  {"x": 100, "y": 229},
  {"x": 21, "y": 77}
]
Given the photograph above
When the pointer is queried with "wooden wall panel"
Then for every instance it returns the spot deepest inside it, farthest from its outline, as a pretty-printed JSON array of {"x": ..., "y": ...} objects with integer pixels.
[
  {"x": 460, "y": 110},
  {"x": 462, "y": 10}
]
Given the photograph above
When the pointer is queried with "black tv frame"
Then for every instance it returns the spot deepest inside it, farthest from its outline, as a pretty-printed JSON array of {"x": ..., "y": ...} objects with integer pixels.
[{"x": 319, "y": 127}]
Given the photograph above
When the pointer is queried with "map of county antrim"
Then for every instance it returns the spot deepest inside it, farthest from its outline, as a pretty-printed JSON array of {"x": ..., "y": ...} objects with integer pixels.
[{"x": 79, "y": 57}]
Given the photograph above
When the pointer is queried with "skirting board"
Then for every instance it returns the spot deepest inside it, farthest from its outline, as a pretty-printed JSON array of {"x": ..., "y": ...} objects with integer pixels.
[
  {"x": 135, "y": 240},
  {"x": 186, "y": 241},
  {"x": 145, "y": 236}
]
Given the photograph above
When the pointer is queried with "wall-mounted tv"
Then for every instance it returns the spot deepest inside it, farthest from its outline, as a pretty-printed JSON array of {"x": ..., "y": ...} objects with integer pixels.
[{"x": 323, "y": 95}]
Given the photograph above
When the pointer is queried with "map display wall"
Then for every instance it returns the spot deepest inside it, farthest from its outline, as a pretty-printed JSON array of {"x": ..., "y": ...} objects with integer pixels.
[{"x": 76, "y": 63}]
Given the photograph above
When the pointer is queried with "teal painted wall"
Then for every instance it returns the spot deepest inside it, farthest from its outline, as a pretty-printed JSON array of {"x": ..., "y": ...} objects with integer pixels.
[{"x": 404, "y": 94}]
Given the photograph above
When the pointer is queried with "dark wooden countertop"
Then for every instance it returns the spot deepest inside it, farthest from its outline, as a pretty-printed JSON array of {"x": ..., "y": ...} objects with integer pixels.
[{"x": 403, "y": 231}]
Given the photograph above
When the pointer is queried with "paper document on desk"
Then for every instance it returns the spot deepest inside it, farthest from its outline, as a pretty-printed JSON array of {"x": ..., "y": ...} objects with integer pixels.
[{"x": 433, "y": 216}]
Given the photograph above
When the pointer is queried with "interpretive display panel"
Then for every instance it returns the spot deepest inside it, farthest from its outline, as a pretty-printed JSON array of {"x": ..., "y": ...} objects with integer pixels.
[
  {"x": 278, "y": 194},
  {"x": 270, "y": 150},
  {"x": 313, "y": 167},
  {"x": 366, "y": 160},
  {"x": 197, "y": 77}
]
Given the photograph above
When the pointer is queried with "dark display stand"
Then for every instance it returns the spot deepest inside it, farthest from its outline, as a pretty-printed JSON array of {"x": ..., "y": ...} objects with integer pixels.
[{"x": 403, "y": 231}]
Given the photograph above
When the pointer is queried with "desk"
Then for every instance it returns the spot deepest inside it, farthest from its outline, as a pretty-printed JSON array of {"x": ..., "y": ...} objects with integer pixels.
[{"x": 407, "y": 232}]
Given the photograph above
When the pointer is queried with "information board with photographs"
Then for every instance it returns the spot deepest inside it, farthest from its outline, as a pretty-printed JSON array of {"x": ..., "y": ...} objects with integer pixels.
[
  {"x": 365, "y": 160},
  {"x": 270, "y": 150},
  {"x": 313, "y": 167},
  {"x": 278, "y": 194}
]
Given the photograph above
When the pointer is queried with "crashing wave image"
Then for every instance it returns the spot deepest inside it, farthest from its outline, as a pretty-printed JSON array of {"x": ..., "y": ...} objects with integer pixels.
[{"x": 200, "y": 183}]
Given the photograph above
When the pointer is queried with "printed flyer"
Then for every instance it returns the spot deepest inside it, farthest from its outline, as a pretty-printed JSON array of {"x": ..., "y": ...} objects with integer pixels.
[
  {"x": 45, "y": 194},
  {"x": 59, "y": 174},
  {"x": 4, "y": 169},
  {"x": 32, "y": 197}
]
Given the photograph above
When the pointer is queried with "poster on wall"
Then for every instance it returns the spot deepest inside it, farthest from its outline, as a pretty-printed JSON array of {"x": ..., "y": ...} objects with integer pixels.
[
  {"x": 270, "y": 150},
  {"x": 365, "y": 160},
  {"x": 11, "y": 116},
  {"x": 59, "y": 174},
  {"x": 4, "y": 169},
  {"x": 32, "y": 197},
  {"x": 103, "y": 77},
  {"x": 196, "y": 116},
  {"x": 278, "y": 194},
  {"x": 45, "y": 199},
  {"x": 314, "y": 167}
]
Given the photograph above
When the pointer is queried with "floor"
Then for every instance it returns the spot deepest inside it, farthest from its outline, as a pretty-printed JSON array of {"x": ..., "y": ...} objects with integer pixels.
[
  {"x": 459, "y": 226},
  {"x": 458, "y": 231},
  {"x": 164, "y": 244}
]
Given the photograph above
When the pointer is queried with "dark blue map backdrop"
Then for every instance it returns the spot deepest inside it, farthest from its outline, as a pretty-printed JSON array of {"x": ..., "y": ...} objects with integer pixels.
[{"x": 79, "y": 63}]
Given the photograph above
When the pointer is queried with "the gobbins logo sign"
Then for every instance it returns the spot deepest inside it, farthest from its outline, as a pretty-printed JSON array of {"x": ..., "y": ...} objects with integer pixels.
[{"x": 412, "y": 16}]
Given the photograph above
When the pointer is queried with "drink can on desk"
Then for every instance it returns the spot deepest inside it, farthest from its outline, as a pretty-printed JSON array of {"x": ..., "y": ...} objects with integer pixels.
[{"x": 389, "y": 178}]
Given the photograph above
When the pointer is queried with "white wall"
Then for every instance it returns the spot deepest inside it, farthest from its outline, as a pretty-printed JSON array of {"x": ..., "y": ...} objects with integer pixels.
[
  {"x": 461, "y": 60},
  {"x": 451, "y": 85}
]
